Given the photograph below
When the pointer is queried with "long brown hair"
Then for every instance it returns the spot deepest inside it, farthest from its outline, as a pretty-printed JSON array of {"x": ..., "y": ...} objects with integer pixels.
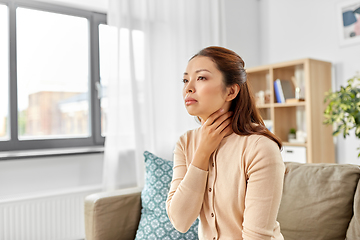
[{"x": 245, "y": 112}]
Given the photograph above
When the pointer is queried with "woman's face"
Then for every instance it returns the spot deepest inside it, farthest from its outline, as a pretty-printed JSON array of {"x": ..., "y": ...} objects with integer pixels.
[{"x": 204, "y": 92}]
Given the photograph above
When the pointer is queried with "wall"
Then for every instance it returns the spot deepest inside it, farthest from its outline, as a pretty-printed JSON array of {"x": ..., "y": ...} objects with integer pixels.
[
  {"x": 242, "y": 29},
  {"x": 293, "y": 29},
  {"x": 30, "y": 176},
  {"x": 39, "y": 175}
]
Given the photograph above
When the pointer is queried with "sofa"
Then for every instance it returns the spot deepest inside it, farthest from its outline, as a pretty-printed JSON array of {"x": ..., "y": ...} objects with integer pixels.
[{"x": 320, "y": 201}]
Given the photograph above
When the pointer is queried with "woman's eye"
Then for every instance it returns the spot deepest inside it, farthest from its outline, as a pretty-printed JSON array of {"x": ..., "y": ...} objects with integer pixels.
[
  {"x": 201, "y": 78},
  {"x": 185, "y": 80}
]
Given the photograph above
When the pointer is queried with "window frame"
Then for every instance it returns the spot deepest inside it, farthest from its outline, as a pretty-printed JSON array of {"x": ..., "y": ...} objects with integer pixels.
[{"x": 95, "y": 139}]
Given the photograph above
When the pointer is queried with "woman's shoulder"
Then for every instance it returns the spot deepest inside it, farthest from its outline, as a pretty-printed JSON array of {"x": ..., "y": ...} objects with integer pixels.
[
  {"x": 252, "y": 139},
  {"x": 257, "y": 150},
  {"x": 255, "y": 144}
]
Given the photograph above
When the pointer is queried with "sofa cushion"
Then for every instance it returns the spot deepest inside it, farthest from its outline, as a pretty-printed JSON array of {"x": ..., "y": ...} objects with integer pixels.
[
  {"x": 154, "y": 222},
  {"x": 317, "y": 201}
]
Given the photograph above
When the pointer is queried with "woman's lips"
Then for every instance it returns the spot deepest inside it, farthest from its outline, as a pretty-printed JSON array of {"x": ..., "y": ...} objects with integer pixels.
[{"x": 189, "y": 101}]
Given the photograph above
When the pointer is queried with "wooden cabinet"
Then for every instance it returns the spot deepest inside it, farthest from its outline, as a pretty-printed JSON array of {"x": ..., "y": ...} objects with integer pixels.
[{"x": 313, "y": 77}]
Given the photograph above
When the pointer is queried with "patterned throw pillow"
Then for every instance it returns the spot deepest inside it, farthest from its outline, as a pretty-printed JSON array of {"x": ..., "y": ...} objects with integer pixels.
[{"x": 154, "y": 222}]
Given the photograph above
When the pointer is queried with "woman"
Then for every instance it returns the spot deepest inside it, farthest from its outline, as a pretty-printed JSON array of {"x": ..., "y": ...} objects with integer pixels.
[{"x": 229, "y": 171}]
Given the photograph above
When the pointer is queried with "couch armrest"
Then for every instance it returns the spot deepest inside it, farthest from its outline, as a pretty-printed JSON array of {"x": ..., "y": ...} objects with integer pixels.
[
  {"x": 112, "y": 215},
  {"x": 353, "y": 231}
]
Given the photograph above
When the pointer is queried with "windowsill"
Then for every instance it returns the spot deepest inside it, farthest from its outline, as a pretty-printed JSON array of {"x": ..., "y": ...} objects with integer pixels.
[{"x": 9, "y": 155}]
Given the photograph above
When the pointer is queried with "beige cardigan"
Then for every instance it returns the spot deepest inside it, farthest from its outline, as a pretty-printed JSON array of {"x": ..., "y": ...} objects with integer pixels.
[{"x": 238, "y": 198}]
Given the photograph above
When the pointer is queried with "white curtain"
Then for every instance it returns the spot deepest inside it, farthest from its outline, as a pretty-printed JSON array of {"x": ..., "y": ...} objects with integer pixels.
[{"x": 152, "y": 40}]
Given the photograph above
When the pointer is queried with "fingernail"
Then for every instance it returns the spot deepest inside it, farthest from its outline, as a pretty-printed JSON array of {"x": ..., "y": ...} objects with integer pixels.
[{"x": 221, "y": 110}]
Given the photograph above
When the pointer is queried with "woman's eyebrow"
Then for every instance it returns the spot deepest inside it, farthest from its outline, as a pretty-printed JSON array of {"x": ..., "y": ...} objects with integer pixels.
[
  {"x": 201, "y": 70},
  {"x": 197, "y": 71}
]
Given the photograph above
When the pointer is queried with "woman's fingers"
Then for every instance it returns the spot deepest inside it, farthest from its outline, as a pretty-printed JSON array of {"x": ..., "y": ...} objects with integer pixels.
[
  {"x": 211, "y": 119},
  {"x": 225, "y": 124},
  {"x": 216, "y": 119},
  {"x": 220, "y": 120},
  {"x": 214, "y": 130}
]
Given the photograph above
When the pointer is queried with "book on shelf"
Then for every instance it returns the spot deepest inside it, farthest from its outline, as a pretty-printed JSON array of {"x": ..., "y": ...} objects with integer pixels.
[
  {"x": 283, "y": 90},
  {"x": 278, "y": 91}
]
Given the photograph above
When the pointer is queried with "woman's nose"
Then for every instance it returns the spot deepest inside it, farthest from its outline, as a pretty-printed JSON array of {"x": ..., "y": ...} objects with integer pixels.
[{"x": 189, "y": 88}]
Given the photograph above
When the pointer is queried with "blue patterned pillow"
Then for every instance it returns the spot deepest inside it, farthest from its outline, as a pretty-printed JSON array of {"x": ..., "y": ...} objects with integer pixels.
[{"x": 154, "y": 222}]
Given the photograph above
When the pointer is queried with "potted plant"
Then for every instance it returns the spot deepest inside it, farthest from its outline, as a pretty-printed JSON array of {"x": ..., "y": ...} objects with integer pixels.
[
  {"x": 292, "y": 134},
  {"x": 343, "y": 108}
]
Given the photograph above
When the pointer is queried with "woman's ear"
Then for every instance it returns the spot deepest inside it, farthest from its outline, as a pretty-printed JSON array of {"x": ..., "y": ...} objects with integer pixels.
[{"x": 232, "y": 92}]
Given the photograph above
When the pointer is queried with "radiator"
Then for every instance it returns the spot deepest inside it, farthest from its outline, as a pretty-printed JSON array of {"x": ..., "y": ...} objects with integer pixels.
[{"x": 46, "y": 216}]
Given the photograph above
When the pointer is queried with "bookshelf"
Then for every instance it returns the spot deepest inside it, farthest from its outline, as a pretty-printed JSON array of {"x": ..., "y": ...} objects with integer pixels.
[{"x": 313, "y": 77}]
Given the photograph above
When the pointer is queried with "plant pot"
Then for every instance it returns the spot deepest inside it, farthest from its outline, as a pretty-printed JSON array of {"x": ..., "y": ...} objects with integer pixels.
[{"x": 291, "y": 136}]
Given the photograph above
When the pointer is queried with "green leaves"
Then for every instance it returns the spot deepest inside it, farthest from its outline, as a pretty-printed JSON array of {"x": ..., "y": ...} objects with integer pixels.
[{"x": 343, "y": 108}]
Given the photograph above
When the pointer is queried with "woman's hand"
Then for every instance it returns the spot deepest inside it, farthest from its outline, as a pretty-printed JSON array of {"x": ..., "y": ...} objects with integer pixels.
[{"x": 212, "y": 131}]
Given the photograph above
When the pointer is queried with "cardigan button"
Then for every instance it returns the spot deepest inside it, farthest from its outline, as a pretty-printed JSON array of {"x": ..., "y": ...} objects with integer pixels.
[
  {"x": 212, "y": 215},
  {"x": 209, "y": 189}
]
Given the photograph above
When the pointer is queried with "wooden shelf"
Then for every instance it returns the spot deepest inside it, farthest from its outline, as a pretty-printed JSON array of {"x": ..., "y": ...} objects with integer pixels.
[
  {"x": 289, "y": 104},
  {"x": 314, "y": 79},
  {"x": 294, "y": 144},
  {"x": 266, "y": 105}
]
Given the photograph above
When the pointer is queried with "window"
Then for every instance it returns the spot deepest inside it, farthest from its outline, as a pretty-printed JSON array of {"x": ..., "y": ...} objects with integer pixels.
[
  {"x": 49, "y": 99},
  {"x": 4, "y": 76},
  {"x": 52, "y": 75},
  {"x": 105, "y": 35}
]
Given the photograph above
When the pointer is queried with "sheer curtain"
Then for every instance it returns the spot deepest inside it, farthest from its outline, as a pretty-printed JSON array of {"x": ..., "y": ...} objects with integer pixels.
[{"x": 152, "y": 40}]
